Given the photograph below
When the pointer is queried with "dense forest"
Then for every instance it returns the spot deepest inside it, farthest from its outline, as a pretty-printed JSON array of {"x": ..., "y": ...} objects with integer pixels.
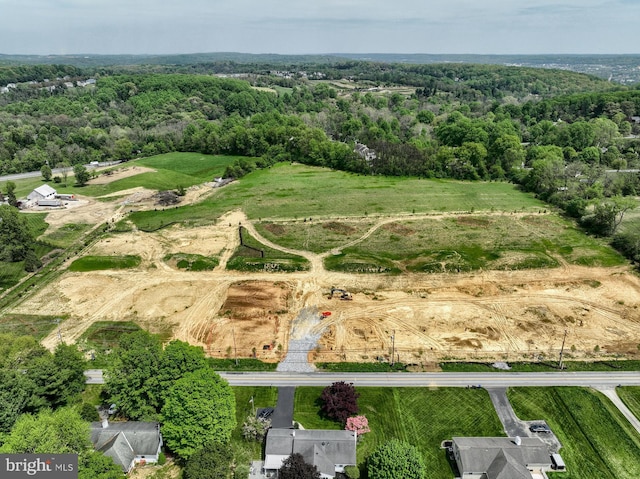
[{"x": 570, "y": 138}]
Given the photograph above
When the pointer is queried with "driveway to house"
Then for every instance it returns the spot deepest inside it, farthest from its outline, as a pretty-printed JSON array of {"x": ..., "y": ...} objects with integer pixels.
[
  {"x": 510, "y": 422},
  {"x": 283, "y": 414}
]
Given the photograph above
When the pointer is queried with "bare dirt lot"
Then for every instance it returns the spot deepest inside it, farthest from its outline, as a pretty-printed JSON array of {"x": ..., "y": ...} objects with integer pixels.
[{"x": 488, "y": 315}]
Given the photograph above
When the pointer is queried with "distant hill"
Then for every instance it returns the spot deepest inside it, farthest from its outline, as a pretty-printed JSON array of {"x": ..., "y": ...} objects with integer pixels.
[{"x": 624, "y": 69}]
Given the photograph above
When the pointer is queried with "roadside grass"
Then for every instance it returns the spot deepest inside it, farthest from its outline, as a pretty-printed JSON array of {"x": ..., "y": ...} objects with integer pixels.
[
  {"x": 172, "y": 170},
  {"x": 597, "y": 441},
  {"x": 28, "y": 324},
  {"x": 11, "y": 273},
  {"x": 287, "y": 191},
  {"x": 422, "y": 417},
  {"x": 244, "y": 364},
  {"x": 191, "y": 262},
  {"x": 96, "y": 263},
  {"x": 378, "y": 367},
  {"x": 469, "y": 243},
  {"x": 66, "y": 235},
  {"x": 247, "y": 257},
  {"x": 263, "y": 396},
  {"x": 547, "y": 366},
  {"x": 630, "y": 395},
  {"x": 106, "y": 334}
]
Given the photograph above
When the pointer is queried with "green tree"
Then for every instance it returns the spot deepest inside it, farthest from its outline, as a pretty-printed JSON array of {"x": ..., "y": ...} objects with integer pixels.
[
  {"x": 62, "y": 431},
  {"x": 199, "y": 409},
  {"x": 95, "y": 465},
  {"x": 396, "y": 459},
  {"x": 81, "y": 174},
  {"x": 131, "y": 380},
  {"x": 46, "y": 172},
  {"x": 608, "y": 215},
  {"x": 212, "y": 460},
  {"x": 16, "y": 238},
  {"x": 294, "y": 467},
  {"x": 177, "y": 359},
  {"x": 10, "y": 186},
  {"x": 59, "y": 376}
]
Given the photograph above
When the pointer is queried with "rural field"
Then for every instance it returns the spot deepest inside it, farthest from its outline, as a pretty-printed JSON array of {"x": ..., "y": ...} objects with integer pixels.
[{"x": 450, "y": 270}]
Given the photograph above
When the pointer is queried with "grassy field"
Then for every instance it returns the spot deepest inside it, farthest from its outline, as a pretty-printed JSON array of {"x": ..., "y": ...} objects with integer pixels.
[
  {"x": 598, "y": 442},
  {"x": 287, "y": 191},
  {"x": 262, "y": 397},
  {"x": 28, "y": 325},
  {"x": 172, "y": 170},
  {"x": 66, "y": 235},
  {"x": 96, "y": 263},
  {"x": 467, "y": 243},
  {"x": 192, "y": 262},
  {"x": 106, "y": 334},
  {"x": 247, "y": 258},
  {"x": 550, "y": 366},
  {"x": 420, "y": 416},
  {"x": 631, "y": 397}
]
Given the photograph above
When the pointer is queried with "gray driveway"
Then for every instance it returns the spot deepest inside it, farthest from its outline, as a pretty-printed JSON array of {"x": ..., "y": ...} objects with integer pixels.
[
  {"x": 283, "y": 415},
  {"x": 512, "y": 425}
]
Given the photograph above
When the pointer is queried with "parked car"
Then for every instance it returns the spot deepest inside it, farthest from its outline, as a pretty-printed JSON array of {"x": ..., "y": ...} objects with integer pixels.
[
  {"x": 265, "y": 413},
  {"x": 539, "y": 428}
]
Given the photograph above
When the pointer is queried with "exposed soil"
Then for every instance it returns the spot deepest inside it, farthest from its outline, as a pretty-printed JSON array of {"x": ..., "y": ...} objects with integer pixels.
[{"x": 487, "y": 315}]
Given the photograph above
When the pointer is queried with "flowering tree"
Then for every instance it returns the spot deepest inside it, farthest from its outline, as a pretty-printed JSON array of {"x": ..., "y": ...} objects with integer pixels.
[{"x": 358, "y": 424}]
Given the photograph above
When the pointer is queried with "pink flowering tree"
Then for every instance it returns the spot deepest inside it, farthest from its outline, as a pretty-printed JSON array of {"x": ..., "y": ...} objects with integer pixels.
[{"x": 358, "y": 424}]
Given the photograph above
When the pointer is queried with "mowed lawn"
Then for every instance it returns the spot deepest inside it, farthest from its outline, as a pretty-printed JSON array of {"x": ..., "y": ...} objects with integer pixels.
[
  {"x": 597, "y": 441},
  {"x": 293, "y": 191},
  {"x": 422, "y": 417},
  {"x": 172, "y": 170}
]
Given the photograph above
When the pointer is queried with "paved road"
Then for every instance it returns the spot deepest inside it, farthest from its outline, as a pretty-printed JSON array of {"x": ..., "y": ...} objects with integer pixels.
[
  {"x": 588, "y": 379},
  {"x": 487, "y": 380},
  {"x": 613, "y": 396},
  {"x": 55, "y": 171}
]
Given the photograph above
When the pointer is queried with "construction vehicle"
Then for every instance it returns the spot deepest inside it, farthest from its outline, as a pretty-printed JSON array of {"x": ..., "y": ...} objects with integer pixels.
[{"x": 344, "y": 294}]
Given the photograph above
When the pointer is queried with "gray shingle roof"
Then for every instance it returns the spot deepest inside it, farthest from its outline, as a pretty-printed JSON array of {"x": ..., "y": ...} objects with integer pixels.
[
  {"x": 477, "y": 453},
  {"x": 125, "y": 440},
  {"x": 323, "y": 448}
]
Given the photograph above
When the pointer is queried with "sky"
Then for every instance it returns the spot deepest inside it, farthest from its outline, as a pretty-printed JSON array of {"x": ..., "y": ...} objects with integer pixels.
[{"x": 46, "y": 27}]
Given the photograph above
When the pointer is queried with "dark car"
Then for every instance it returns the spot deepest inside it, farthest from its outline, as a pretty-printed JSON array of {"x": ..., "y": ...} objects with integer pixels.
[
  {"x": 265, "y": 413},
  {"x": 539, "y": 428}
]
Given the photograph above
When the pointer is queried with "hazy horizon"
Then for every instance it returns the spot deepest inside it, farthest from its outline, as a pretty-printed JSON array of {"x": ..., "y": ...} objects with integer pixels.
[{"x": 285, "y": 27}]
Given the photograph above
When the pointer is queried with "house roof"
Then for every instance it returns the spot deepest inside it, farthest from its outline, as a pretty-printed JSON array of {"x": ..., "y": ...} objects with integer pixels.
[
  {"x": 477, "y": 454},
  {"x": 125, "y": 440},
  {"x": 505, "y": 466},
  {"x": 44, "y": 191},
  {"x": 322, "y": 448}
]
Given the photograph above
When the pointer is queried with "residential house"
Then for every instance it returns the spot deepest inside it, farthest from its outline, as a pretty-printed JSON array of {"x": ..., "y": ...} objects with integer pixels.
[
  {"x": 365, "y": 152},
  {"x": 500, "y": 457},
  {"x": 128, "y": 443},
  {"x": 329, "y": 451}
]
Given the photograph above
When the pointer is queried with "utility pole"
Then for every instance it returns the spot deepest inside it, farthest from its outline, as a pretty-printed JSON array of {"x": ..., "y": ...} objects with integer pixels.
[
  {"x": 253, "y": 407},
  {"x": 393, "y": 346},
  {"x": 235, "y": 350},
  {"x": 562, "y": 349}
]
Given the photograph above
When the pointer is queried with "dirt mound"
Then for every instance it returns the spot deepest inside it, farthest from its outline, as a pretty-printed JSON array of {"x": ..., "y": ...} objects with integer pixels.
[
  {"x": 399, "y": 229},
  {"x": 275, "y": 229},
  {"x": 256, "y": 299}
]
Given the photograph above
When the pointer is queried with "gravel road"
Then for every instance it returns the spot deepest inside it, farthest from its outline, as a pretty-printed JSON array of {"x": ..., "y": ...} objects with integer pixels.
[{"x": 305, "y": 334}]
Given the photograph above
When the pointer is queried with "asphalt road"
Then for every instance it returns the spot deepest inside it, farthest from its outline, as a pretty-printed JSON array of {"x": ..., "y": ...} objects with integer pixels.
[
  {"x": 55, "y": 171},
  {"x": 495, "y": 380},
  {"x": 487, "y": 380}
]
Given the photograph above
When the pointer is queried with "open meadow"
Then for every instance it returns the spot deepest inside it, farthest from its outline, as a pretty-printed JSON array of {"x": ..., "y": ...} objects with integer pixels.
[{"x": 452, "y": 270}]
